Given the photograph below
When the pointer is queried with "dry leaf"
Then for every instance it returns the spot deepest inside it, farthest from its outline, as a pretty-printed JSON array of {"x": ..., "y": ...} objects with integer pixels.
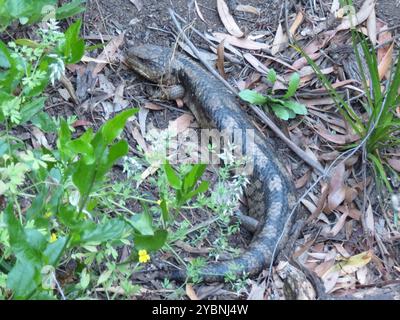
[
  {"x": 384, "y": 37},
  {"x": 359, "y": 17},
  {"x": 90, "y": 59},
  {"x": 343, "y": 252},
  {"x": 371, "y": 27},
  {"x": 279, "y": 40},
  {"x": 228, "y": 47},
  {"x": 142, "y": 117},
  {"x": 153, "y": 106},
  {"x": 369, "y": 227},
  {"x": 301, "y": 62},
  {"x": 138, "y": 4},
  {"x": 339, "y": 224},
  {"x": 281, "y": 62},
  {"x": 40, "y": 139},
  {"x": 180, "y": 124},
  {"x": 241, "y": 43},
  {"x": 64, "y": 94},
  {"x": 81, "y": 123},
  {"x": 296, "y": 23},
  {"x": 199, "y": 12},
  {"x": 139, "y": 139},
  {"x": 386, "y": 62},
  {"x": 255, "y": 63},
  {"x": 191, "y": 293},
  {"x": 317, "y": 102},
  {"x": 330, "y": 280},
  {"x": 108, "y": 52},
  {"x": 70, "y": 88},
  {"x": 300, "y": 183},
  {"x": 227, "y": 19},
  {"x": 337, "y": 189},
  {"x": 340, "y": 139},
  {"x": 322, "y": 269},
  {"x": 394, "y": 163},
  {"x": 220, "y": 59},
  {"x": 356, "y": 262},
  {"x": 257, "y": 291},
  {"x": 320, "y": 204},
  {"x": 206, "y": 55},
  {"x": 314, "y": 46},
  {"x": 248, "y": 9},
  {"x": 309, "y": 205},
  {"x": 351, "y": 194},
  {"x": 119, "y": 102}
]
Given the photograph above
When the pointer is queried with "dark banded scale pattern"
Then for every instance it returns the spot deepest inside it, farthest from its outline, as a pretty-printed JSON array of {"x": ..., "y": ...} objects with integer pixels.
[{"x": 270, "y": 192}]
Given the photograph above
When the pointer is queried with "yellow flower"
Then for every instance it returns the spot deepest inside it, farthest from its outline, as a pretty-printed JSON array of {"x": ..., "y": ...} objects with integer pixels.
[
  {"x": 143, "y": 256},
  {"x": 159, "y": 202},
  {"x": 53, "y": 237},
  {"x": 48, "y": 214}
]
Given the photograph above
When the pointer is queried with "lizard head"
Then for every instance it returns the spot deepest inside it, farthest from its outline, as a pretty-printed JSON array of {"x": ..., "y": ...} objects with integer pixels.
[{"x": 150, "y": 61}]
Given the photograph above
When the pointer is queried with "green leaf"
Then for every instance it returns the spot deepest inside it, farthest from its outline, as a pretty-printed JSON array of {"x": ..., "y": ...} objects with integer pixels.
[
  {"x": 191, "y": 178},
  {"x": 84, "y": 177},
  {"x": 4, "y": 56},
  {"x": 203, "y": 187},
  {"x": 36, "y": 240},
  {"x": 104, "y": 276},
  {"x": 44, "y": 122},
  {"x": 27, "y": 42},
  {"x": 253, "y": 97},
  {"x": 69, "y": 216},
  {"x": 296, "y": 107},
  {"x": 85, "y": 279},
  {"x": 30, "y": 109},
  {"x": 116, "y": 151},
  {"x": 294, "y": 82},
  {"x": 64, "y": 137},
  {"x": 54, "y": 250},
  {"x": 10, "y": 78},
  {"x": 18, "y": 239},
  {"x": 281, "y": 112},
  {"x": 172, "y": 177},
  {"x": 80, "y": 146},
  {"x": 143, "y": 223},
  {"x": 380, "y": 170},
  {"x": 74, "y": 47},
  {"x": 23, "y": 279},
  {"x": 151, "y": 243},
  {"x": 110, "y": 230},
  {"x": 164, "y": 210},
  {"x": 113, "y": 128},
  {"x": 41, "y": 84},
  {"x": 271, "y": 76},
  {"x": 70, "y": 9},
  {"x": 27, "y": 11}
]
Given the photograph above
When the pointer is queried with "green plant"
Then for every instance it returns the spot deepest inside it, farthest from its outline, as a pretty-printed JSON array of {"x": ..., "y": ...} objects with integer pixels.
[
  {"x": 53, "y": 210},
  {"x": 28, "y": 11},
  {"x": 60, "y": 218},
  {"x": 27, "y": 67},
  {"x": 193, "y": 269},
  {"x": 185, "y": 188},
  {"x": 283, "y": 107},
  {"x": 379, "y": 129}
]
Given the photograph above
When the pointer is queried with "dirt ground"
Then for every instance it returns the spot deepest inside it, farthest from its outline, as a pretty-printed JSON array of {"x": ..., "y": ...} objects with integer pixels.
[{"x": 141, "y": 26}]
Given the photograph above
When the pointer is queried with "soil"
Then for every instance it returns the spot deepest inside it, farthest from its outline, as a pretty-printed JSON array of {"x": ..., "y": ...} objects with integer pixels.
[
  {"x": 389, "y": 11},
  {"x": 144, "y": 26}
]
